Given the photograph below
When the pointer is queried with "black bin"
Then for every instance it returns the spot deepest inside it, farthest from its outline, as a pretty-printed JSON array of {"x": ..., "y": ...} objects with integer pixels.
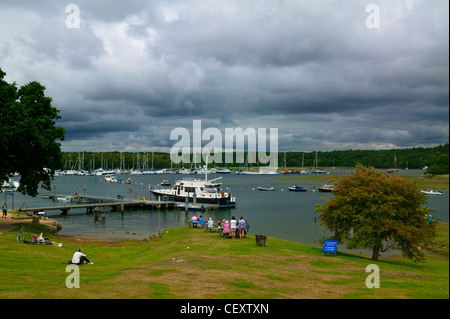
[{"x": 260, "y": 240}]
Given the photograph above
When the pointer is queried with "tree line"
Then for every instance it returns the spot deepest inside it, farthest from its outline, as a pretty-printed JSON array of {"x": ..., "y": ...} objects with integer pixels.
[{"x": 412, "y": 158}]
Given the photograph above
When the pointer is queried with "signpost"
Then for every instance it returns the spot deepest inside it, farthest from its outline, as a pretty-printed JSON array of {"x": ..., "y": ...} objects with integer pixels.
[{"x": 330, "y": 246}]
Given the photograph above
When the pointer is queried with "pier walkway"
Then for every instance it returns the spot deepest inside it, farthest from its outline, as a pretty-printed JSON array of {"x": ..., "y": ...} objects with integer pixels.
[{"x": 90, "y": 203}]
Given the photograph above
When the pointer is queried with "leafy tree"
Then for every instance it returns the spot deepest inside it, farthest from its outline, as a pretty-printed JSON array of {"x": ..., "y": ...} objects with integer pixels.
[
  {"x": 377, "y": 211},
  {"x": 28, "y": 138},
  {"x": 440, "y": 167}
]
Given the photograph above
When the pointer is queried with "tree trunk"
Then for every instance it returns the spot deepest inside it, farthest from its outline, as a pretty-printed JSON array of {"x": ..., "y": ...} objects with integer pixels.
[{"x": 375, "y": 252}]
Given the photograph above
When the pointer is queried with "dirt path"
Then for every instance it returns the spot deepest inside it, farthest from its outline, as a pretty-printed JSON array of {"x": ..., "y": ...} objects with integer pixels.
[{"x": 6, "y": 224}]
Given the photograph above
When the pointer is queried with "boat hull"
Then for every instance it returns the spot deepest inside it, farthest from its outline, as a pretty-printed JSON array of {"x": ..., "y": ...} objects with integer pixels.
[
  {"x": 326, "y": 190},
  {"x": 267, "y": 189},
  {"x": 297, "y": 189},
  {"x": 192, "y": 208},
  {"x": 432, "y": 192},
  {"x": 221, "y": 202}
]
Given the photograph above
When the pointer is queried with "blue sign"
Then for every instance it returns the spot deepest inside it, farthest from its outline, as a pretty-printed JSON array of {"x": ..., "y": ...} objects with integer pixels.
[{"x": 330, "y": 246}]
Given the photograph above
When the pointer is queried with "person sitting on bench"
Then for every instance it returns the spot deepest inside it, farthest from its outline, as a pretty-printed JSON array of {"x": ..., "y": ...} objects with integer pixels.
[
  {"x": 194, "y": 220},
  {"x": 226, "y": 229},
  {"x": 209, "y": 226},
  {"x": 79, "y": 258}
]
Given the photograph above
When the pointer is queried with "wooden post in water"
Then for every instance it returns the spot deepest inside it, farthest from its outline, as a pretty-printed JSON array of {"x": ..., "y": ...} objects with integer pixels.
[{"x": 122, "y": 205}]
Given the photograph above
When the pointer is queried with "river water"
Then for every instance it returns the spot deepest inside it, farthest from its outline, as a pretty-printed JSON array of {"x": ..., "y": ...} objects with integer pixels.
[{"x": 280, "y": 213}]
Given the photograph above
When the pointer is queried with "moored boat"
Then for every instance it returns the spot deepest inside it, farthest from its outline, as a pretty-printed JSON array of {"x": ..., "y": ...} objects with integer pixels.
[
  {"x": 165, "y": 183},
  {"x": 298, "y": 189},
  {"x": 192, "y": 207},
  {"x": 432, "y": 192},
  {"x": 263, "y": 188},
  {"x": 198, "y": 189},
  {"x": 326, "y": 188},
  {"x": 223, "y": 171}
]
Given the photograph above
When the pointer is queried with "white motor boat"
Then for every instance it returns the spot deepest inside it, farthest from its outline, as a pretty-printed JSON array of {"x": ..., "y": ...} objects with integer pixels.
[
  {"x": 432, "y": 192},
  {"x": 203, "y": 191}
]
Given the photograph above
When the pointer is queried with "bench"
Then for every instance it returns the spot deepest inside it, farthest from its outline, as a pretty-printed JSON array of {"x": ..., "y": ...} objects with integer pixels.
[
  {"x": 198, "y": 225},
  {"x": 226, "y": 235}
]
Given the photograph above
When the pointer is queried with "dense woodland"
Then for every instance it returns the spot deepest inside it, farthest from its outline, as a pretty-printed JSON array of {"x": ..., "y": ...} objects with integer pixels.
[{"x": 412, "y": 158}]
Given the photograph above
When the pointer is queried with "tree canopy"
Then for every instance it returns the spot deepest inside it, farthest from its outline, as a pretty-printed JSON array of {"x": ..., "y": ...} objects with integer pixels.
[
  {"x": 440, "y": 166},
  {"x": 377, "y": 211},
  {"x": 28, "y": 142}
]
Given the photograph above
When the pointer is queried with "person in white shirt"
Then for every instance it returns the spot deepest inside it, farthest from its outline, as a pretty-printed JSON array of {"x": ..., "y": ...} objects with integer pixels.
[
  {"x": 233, "y": 226},
  {"x": 79, "y": 258},
  {"x": 210, "y": 224}
]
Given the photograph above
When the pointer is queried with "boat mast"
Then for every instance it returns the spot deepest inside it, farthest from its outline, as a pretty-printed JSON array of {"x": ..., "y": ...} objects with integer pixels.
[{"x": 206, "y": 172}]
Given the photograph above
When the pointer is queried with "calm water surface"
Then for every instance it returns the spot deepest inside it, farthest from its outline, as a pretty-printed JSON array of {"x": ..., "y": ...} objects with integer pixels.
[{"x": 280, "y": 213}]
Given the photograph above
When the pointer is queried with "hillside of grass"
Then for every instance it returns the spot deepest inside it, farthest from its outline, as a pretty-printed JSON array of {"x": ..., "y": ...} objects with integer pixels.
[{"x": 212, "y": 268}]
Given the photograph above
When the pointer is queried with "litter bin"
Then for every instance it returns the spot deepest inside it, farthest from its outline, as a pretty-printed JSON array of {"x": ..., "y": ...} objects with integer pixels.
[{"x": 260, "y": 240}]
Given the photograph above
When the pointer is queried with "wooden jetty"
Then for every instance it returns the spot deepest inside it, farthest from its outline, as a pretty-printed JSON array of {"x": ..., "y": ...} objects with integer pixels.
[{"x": 91, "y": 203}]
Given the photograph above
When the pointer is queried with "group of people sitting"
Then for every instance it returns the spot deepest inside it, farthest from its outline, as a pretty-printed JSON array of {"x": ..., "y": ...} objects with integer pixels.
[
  {"x": 225, "y": 227},
  {"x": 41, "y": 240}
]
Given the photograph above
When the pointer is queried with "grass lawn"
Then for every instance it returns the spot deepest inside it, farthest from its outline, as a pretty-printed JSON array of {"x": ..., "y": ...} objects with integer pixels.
[{"x": 212, "y": 268}]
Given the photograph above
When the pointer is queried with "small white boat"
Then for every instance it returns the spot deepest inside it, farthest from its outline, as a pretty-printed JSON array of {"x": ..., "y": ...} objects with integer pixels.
[
  {"x": 11, "y": 185},
  {"x": 432, "y": 192},
  {"x": 63, "y": 199},
  {"x": 262, "y": 188},
  {"x": 223, "y": 171},
  {"x": 110, "y": 178}
]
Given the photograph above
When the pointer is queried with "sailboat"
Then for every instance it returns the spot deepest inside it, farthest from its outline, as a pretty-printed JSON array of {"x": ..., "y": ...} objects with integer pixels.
[
  {"x": 246, "y": 171},
  {"x": 326, "y": 188},
  {"x": 394, "y": 170},
  {"x": 316, "y": 165},
  {"x": 303, "y": 171}
]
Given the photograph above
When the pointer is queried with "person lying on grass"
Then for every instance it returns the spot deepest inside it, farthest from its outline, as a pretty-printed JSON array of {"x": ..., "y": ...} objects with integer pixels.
[{"x": 41, "y": 240}]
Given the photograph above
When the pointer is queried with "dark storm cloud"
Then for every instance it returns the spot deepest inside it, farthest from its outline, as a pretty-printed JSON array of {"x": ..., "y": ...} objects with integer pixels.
[{"x": 135, "y": 70}]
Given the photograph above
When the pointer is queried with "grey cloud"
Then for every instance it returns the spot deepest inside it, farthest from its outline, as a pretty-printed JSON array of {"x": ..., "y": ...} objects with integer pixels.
[{"x": 136, "y": 70}]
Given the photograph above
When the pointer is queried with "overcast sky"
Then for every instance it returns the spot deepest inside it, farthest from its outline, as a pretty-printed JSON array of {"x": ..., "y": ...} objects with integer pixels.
[{"x": 328, "y": 74}]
